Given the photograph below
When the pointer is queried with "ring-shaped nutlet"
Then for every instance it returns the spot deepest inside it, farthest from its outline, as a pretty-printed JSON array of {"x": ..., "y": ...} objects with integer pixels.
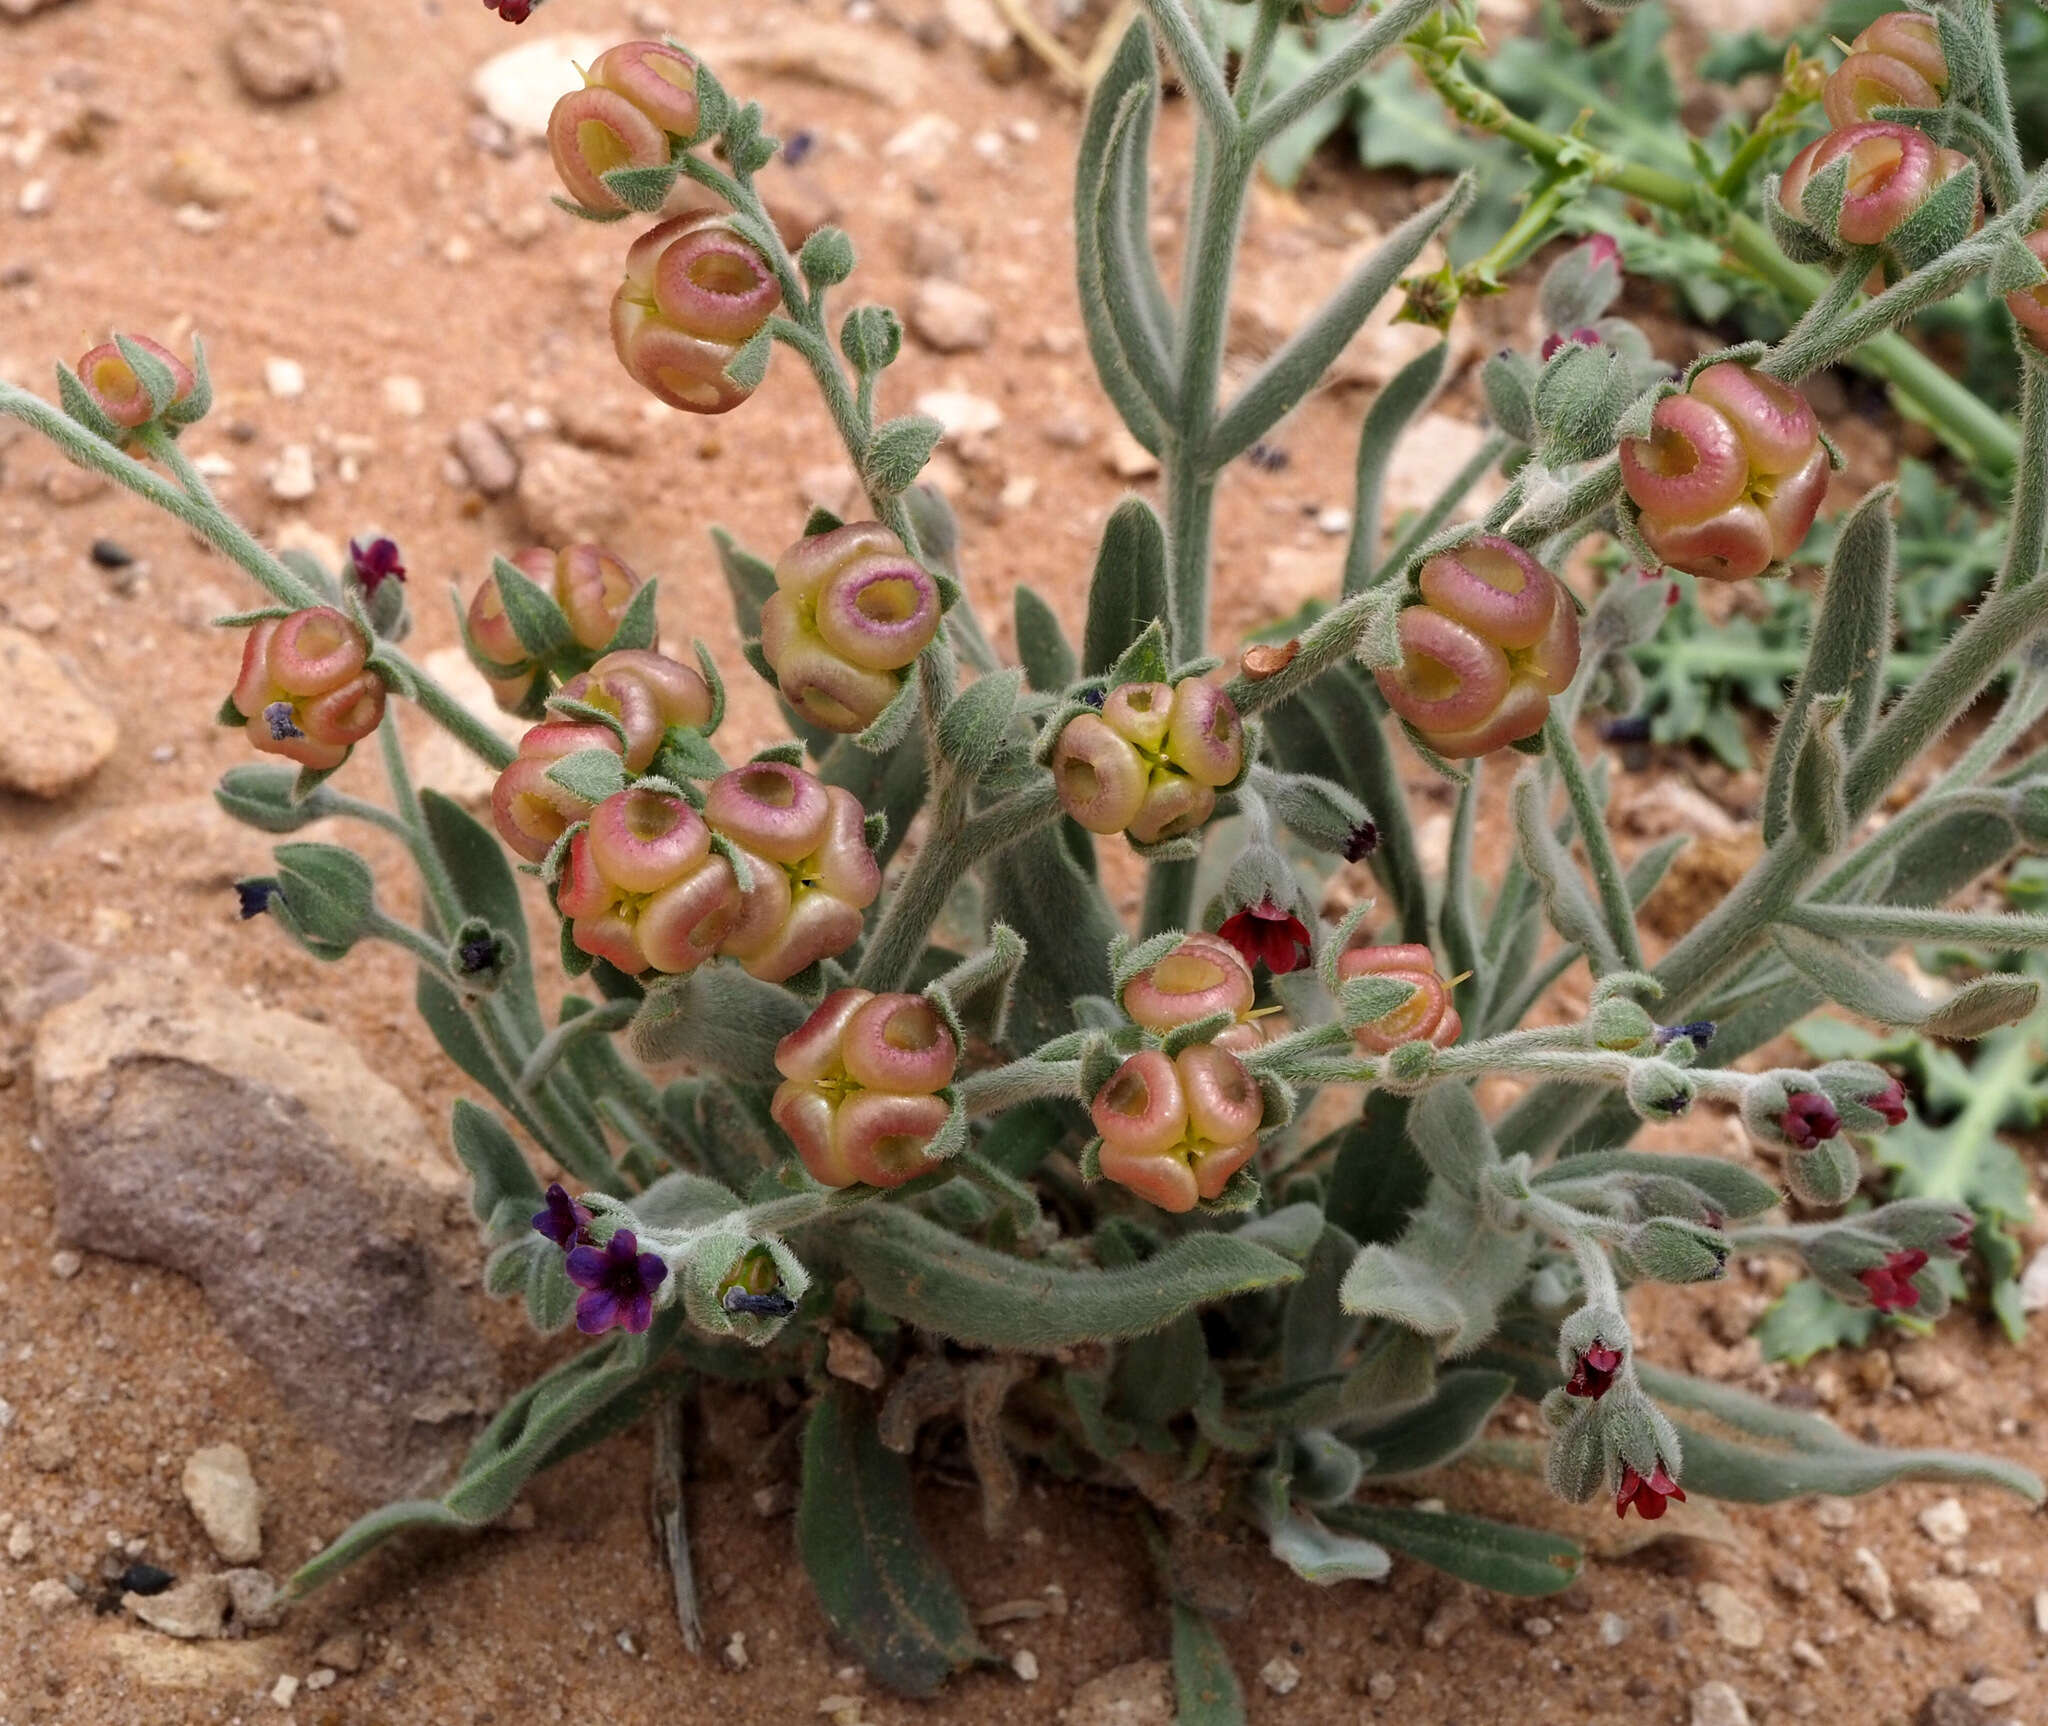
[
  {"x": 695, "y": 292},
  {"x": 305, "y": 690}
]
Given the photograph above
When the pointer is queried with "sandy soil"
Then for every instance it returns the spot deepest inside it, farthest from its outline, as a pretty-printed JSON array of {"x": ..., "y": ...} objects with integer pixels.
[{"x": 460, "y": 276}]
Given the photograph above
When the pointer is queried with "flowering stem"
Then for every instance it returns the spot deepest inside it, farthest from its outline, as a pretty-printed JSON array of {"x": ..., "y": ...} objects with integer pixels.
[
  {"x": 1607, "y": 871},
  {"x": 994, "y": 1089},
  {"x": 899, "y": 939},
  {"x": 612, "y": 1016},
  {"x": 2027, "y": 524}
]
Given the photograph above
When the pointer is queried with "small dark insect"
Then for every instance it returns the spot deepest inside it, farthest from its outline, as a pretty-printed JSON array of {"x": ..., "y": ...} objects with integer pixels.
[
  {"x": 1633, "y": 729},
  {"x": 797, "y": 146},
  {"x": 111, "y": 554},
  {"x": 1267, "y": 458}
]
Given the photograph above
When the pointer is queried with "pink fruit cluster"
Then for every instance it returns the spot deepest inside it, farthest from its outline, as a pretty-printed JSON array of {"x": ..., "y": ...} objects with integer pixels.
[
  {"x": 592, "y": 586},
  {"x": 1202, "y": 976},
  {"x": 1731, "y": 475},
  {"x": 1176, "y": 1128},
  {"x": 1493, "y": 639},
  {"x": 1150, "y": 762},
  {"x": 645, "y": 889},
  {"x": 645, "y": 692},
  {"x": 850, "y": 611},
  {"x": 1427, "y": 1015},
  {"x": 305, "y": 690},
  {"x": 860, "y": 1087}
]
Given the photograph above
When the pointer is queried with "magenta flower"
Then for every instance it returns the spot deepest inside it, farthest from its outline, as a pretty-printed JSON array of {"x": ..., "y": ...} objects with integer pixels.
[
  {"x": 564, "y": 1222},
  {"x": 375, "y": 563},
  {"x": 1890, "y": 1103},
  {"x": 1648, "y": 1496},
  {"x": 1593, "y": 1377},
  {"x": 1265, "y": 933},
  {"x": 512, "y": 11},
  {"x": 1586, "y": 338},
  {"x": 1891, "y": 1283},
  {"x": 618, "y": 1281},
  {"x": 1809, "y": 1118}
]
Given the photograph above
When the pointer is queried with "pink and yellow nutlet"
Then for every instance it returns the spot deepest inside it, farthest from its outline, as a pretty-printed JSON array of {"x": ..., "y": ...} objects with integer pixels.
[
  {"x": 636, "y": 96},
  {"x": 1176, "y": 1128},
  {"x": 1427, "y": 1015},
  {"x": 1151, "y": 761},
  {"x": 1730, "y": 477},
  {"x": 305, "y": 690},
  {"x": 860, "y": 1082},
  {"x": 1202, "y": 976},
  {"x": 119, "y": 393},
  {"x": 1494, "y": 638},
  {"x": 695, "y": 293},
  {"x": 850, "y": 611}
]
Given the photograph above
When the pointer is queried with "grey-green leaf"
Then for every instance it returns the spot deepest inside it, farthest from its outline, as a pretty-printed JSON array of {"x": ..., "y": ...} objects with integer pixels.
[
  {"x": 877, "y": 1578},
  {"x": 1495, "y": 1555}
]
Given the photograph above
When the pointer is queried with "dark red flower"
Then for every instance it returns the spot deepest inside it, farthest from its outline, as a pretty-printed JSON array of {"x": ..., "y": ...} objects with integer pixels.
[
  {"x": 1648, "y": 1496},
  {"x": 1263, "y": 933},
  {"x": 1966, "y": 1232},
  {"x": 375, "y": 563},
  {"x": 512, "y": 11},
  {"x": 618, "y": 1281},
  {"x": 1584, "y": 337},
  {"x": 1809, "y": 1118},
  {"x": 564, "y": 1221},
  {"x": 1362, "y": 841},
  {"x": 1890, "y": 1103},
  {"x": 1891, "y": 1284},
  {"x": 1594, "y": 1375}
]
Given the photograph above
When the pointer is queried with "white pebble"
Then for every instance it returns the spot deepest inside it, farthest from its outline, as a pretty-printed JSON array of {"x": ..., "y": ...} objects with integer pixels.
[
  {"x": 285, "y": 1691},
  {"x": 1613, "y": 1629},
  {"x": 65, "y": 1265},
  {"x": 405, "y": 396},
  {"x": 1945, "y": 1522},
  {"x": 35, "y": 198},
  {"x": 285, "y": 379},
  {"x": 1025, "y": 1664},
  {"x": 292, "y": 479},
  {"x": 1280, "y": 1675},
  {"x": 1333, "y": 520}
]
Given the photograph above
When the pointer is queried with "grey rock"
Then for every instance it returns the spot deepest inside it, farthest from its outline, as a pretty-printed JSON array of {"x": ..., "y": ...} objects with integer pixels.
[
  {"x": 255, "y": 1598},
  {"x": 950, "y": 318},
  {"x": 283, "y": 49},
  {"x": 223, "y": 1494},
  {"x": 485, "y": 456},
  {"x": 65, "y": 735},
  {"x": 193, "y": 1609},
  {"x": 1947, "y": 1607},
  {"x": 1139, "y": 1694},
  {"x": 256, "y": 1153},
  {"x": 1950, "y": 1706},
  {"x": 1717, "y": 1705},
  {"x": 568, "y": 495}
]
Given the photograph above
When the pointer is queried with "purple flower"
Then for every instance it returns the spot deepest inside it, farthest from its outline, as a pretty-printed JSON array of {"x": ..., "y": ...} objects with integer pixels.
[
  {"x": 375, "y": 563},
  {"x": 1649, "y": 1496},
  {"x": 618, "y": 1281},
  {"x": 1891, "y": 1283},
  {"x": 1698, "y": 1032},
  {"x": 255, "y": 896},
  {"x": 564, "y": 1221}
]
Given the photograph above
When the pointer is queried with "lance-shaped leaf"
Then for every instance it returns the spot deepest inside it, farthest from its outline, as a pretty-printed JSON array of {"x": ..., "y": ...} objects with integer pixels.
[
  {"x": 1819, "y": 812},
  {"x": 1852, "y": 632},
  {"x": 553, "y": 1418},
  {"x": 590, "y": 774},
  {"x": 718, "y": 1018},
  {"x": 1452, "y": 1137},
  {"x": 1385, "y": 1283},
  {"x": 877, "y": 1578},
  {"x": 488, "y": 891},
  {"x": 1495, "y": 1555},
  {"x": 1133, "y": 68},
  {"x": 1405, "y": 395},
  {"x": 1289, "y": 376},
  {"x": 1205, "y": 1688},
  {"x": 532, "y": 612},
  {"x": 1438, "y": 1431},
  {"x": 1036, "y": 887},
  {"x": 1322, "y": 1555},
  {"x": 1117, "y": 208},
  {"x": 899, "y": 450},
  {"x": 503, "y": 1189},
  {"x": 1629, "y": 1182},
  {"x": 1128, "y": 589},
  {"x": 260, "y": 796},
  {"x": 1739, "y": 1447},
  {"x": 927, "y": 1276},
  {"x": 1849, "y": 977},
  {"x": 1049, "y": 663},
  {"x": 750, "y": 580}
]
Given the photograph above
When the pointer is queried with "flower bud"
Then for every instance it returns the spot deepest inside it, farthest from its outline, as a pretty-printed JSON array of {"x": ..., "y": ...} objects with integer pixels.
[
  {"x": 1896, "y": 63},
  {"x": 121, "y": 395},
  {"x": 1938, "y": 1227},
  {"x": 852, "y": 609},
  {"x": 1174, "y": 1131},
  {"x": 1620, "y": 1024},
  {"x": 695, "y": 292},
  {"x": 530, "y": 810},
  {"x": 1893, "y": 170},
  {"x": 646, "y": 693},
  {"x": 305, "y": 689},
  {"x": 1426, "y": 1016},
  {"x": 1731, "y": 476},
  {"x": 1672, "y": 1250},
  {"x": 1493, "y": 639},
  {"x": 1581, "y": 285},
  {"x": 1866, "y": 1097},
  {"x": 1202, "y": 976},
  {"x": 860, "y": 1081},
  {"x": 1824, "y": 1175},
  {"x": 1658, "y": 1090},
  {"x": 592, "y": 586},
  {"x": 2029, "y": 306}
]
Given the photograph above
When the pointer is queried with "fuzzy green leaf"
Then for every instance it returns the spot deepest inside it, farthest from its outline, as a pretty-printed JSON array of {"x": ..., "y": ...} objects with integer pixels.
[
  {"x": 1495, "y": 1555},
  {"x": 1128, "y": 589},
  {"x": 1437, "y": 1432},
  {"x": 1049, "y": 664},
  {"x": 880, "y": 1584}
]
